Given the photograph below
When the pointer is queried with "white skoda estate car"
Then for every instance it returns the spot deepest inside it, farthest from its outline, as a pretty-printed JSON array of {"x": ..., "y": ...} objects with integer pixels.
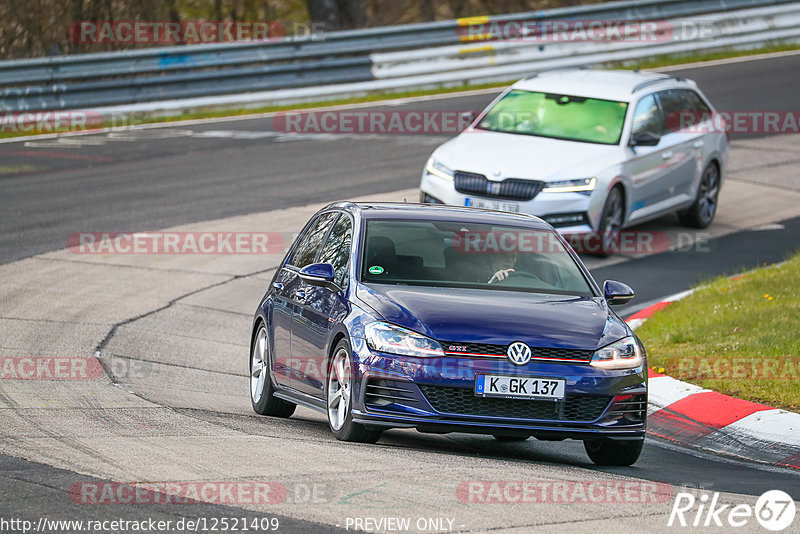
[{"x": 589, "y": 151}]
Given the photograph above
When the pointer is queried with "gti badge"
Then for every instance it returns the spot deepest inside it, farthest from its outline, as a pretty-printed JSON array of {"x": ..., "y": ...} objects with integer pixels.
[{"x": 519, "y": 353}]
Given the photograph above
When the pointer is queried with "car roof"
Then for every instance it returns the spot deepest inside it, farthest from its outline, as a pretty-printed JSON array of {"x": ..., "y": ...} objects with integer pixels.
[
  {"x": 619, "y": 85},
  {"x": 438, "y": 212}
]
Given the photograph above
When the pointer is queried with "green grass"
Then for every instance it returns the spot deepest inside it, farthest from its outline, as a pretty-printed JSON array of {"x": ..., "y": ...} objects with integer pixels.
[
  {"x": 382, "y": 96},
  {"x": 738, "y": 336}
]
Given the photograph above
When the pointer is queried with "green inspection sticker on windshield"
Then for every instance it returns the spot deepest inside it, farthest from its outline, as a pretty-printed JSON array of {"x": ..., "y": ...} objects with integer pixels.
[{"x": 376, "y": 269}]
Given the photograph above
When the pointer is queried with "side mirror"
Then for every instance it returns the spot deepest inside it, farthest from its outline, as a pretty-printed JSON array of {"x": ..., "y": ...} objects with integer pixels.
[
  {"x": 617, "y": 292},
  {"x": 645, "y": 139},
  {"x": 318, "y": 274}
]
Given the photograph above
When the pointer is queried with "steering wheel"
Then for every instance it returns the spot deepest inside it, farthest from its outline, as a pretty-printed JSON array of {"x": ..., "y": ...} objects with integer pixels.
[{"x": 518, "y": 274}]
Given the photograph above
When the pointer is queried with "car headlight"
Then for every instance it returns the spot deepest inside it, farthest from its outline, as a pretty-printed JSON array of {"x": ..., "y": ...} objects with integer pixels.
[
  {"x": 385, "y": 337},
  {"x": 622, "y": 354},
  {"x": 437, "y": 169},
  {"x": 579, "y": 185}
]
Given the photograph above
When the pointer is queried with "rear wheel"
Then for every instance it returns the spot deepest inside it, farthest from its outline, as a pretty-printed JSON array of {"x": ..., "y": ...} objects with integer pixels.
[
  {"x": 339, "y": 399},
  {"x": 702, "y": 212},
  {"x": 262, "y": 396},
  {"x": 611, "y": 223},
  {"x": 613, "y": 452}
]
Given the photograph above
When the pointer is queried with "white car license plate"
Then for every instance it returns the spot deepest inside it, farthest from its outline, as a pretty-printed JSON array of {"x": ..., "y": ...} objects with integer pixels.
[
  {"x": 497, "y": 205},
  {"x": 519, "y": 387}
]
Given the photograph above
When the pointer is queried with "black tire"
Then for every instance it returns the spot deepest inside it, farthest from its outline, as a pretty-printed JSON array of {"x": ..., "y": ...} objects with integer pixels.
[
  {"x": 265, "y": 403},
  {"x": 349, "y": 430},
  {"x": 613, "y": 452},
  {"x": 611, "y": 221},
  {"x": 509, "y": 439},
  {"x": 701, "y": 213}
]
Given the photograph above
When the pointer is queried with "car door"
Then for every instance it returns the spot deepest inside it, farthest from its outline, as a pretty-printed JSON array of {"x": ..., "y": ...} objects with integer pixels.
[
  {"x": 700, "y": 126},
  {"x": 682, "y": 138},
  {"x": 288, "y": 296},
  {"x": 646, "y": 166},
  {"x": 320, "y": 309}
]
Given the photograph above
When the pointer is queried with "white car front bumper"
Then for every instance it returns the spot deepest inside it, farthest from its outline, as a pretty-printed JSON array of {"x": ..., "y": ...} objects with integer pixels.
[{"x": 559, "y": 208}]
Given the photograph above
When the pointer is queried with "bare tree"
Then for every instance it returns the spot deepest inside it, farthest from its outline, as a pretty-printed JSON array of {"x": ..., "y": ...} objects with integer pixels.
[{"x": 325, "y": 14}]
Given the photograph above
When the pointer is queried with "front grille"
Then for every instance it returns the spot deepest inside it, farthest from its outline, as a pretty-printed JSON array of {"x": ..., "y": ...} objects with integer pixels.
[
  {"x": 470, "y": 183},
  {"x": 629, "y": 408},
  {"x": 488, "y": 349},
  {"x": 380, "y": 392},
  {"x": 462, "y": 401}
]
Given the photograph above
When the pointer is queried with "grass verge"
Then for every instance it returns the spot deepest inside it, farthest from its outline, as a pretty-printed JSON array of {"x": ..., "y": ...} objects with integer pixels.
[
  {"x": 654, "y": 63},
  {"x": 739, "y": 336}
]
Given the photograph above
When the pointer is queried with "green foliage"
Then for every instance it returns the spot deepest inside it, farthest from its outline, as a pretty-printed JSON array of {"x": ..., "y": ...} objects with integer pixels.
[{"x": 739, "y": 336}]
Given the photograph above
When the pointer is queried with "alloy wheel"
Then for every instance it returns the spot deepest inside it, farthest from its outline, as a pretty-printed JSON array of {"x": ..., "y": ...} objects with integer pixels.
[
  {"x": 612, "y": 220},
  {"x": 258, "y": 366},
  {"x": 339, "y": 389},
  {"x": 709, "y": 192}
]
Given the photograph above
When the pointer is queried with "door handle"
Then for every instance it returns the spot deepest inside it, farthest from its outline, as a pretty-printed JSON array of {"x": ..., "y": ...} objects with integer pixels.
[
  {"x": 699, "y": 143},
  {"x": 666, "y": 155},
  {"x": 277, "y": 286},
  {"x": 300, "y": 295}
]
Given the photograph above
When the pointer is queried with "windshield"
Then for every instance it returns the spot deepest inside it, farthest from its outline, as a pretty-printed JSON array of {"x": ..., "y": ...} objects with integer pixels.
[
  {"x": 482, "y": 256},
  {"x": 567, "y": 117}
]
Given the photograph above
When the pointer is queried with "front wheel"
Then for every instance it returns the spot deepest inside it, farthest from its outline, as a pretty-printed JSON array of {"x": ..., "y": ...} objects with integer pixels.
[
  {"x": 611, "y": 221},
  {"x": 613, "y": 452},
  {"x": 339, "y": 399},
  {"x": 702, "y": 212},
  {"x": 262, "y": 396}
]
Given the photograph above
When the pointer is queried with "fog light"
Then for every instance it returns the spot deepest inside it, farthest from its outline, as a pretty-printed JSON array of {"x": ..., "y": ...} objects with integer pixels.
[{"x": 566, "y": 219}]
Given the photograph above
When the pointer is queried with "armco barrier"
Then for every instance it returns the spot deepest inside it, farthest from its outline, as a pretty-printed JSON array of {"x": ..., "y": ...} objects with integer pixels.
[{"x": 410, "y": 55}]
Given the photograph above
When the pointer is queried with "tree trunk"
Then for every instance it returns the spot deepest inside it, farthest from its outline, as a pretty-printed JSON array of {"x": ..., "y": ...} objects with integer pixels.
[
  {"x": 428, "y": 13},
  {"x": 352, "y": 13},
  {"x": 324, "y": 14}
]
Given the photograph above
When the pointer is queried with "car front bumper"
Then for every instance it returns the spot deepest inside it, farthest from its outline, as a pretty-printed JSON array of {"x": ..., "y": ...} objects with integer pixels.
[
  {"x": 544, "y": 205},
  {"x": 437, "y": 395}
]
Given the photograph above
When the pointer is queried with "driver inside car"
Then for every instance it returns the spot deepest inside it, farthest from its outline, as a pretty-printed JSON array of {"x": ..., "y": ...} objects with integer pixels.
[{"x": 501, "y": 264}]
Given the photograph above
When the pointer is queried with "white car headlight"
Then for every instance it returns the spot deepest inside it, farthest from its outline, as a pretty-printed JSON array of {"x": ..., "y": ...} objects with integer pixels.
[
  {"x": 437, "y": 169},
  {"x": 385, "y": 337},
  {"x": 579, "y": 185},
  {"x": 622, "y": 354}
]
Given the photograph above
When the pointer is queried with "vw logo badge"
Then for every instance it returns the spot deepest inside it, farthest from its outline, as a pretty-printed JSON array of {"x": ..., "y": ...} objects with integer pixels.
[{"x": 519, "y": 353}]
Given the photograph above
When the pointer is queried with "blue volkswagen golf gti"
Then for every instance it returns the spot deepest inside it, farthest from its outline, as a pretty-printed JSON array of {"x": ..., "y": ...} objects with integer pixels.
[{"x": 448, "y": 319}]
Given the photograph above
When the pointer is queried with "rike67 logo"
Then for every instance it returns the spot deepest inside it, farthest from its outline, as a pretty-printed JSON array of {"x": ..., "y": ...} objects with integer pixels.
[{"x": 774, "y": 510}]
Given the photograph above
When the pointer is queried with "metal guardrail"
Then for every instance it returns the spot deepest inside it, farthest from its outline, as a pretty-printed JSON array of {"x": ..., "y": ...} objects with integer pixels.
[{"x": 412, "y": 54}]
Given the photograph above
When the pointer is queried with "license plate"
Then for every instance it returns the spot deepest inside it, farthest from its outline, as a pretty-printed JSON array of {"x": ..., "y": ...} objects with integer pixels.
[
  {"x": 497, "y": 205},
  {"x": 519, "y": 387}
]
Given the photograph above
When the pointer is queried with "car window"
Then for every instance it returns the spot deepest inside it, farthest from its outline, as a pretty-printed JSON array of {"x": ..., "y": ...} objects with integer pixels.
[
  {"x": 336, "y": 250},
  {"x": 469, "y": 255},
  {"x": 573, "y": 118},
  {"x": 700, "y": 110},
  {"x": 309, "y": 242},
  {"x": 677, "y": 111},
  {"x": 647, "y": 117}
]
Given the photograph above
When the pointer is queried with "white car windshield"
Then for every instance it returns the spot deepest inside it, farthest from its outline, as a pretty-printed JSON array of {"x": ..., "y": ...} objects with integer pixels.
[{"x": 574, "y": 118}]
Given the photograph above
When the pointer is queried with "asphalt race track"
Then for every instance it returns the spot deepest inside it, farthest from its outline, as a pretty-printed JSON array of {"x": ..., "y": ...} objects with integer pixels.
[
  {"x": 173, "y": 330},
  {"x": 153, "y": 178}
]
